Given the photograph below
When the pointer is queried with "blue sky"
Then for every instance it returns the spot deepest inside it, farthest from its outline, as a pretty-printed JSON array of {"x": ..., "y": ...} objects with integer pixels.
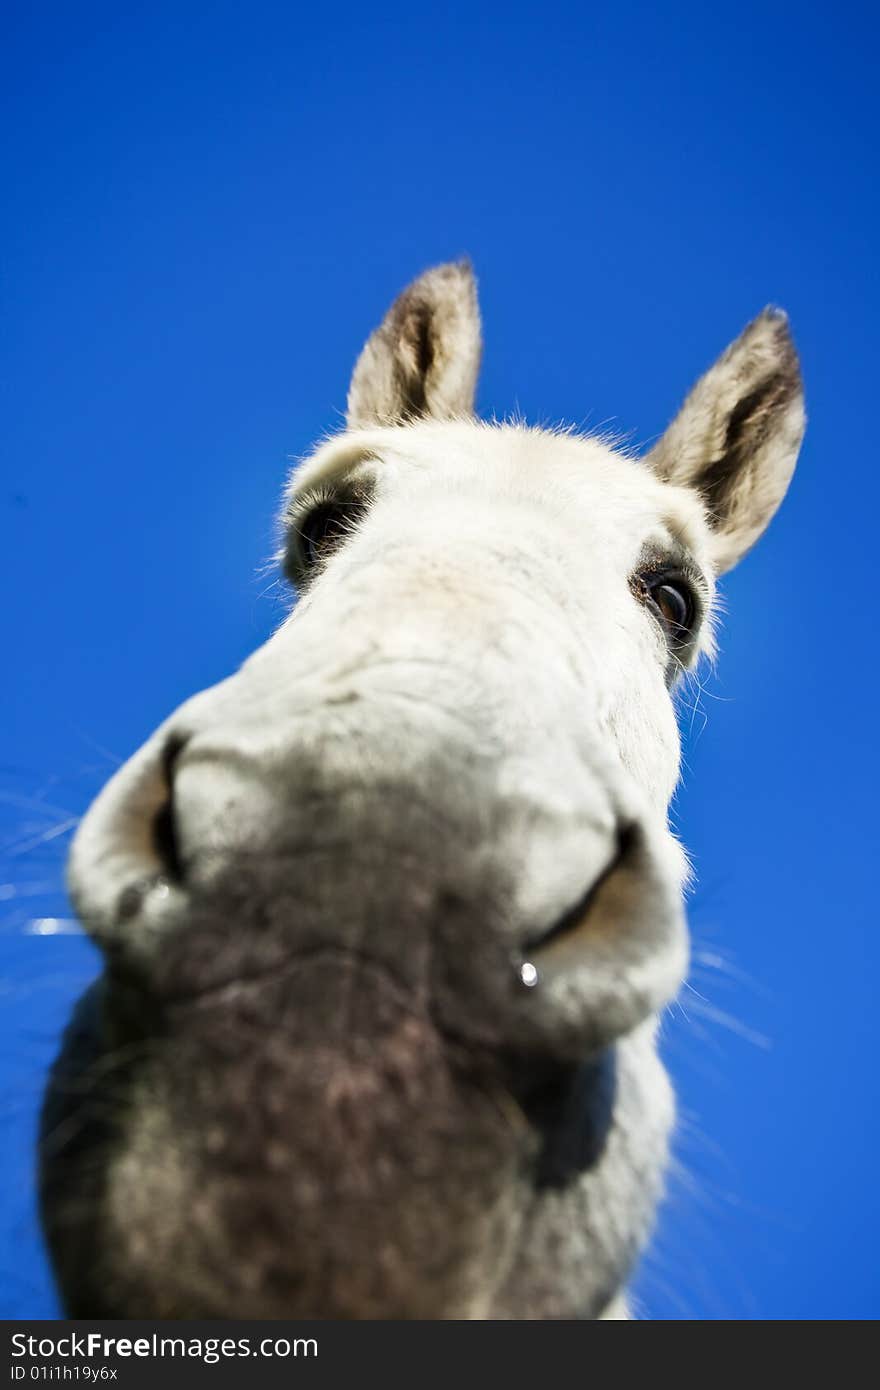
[{"x": 207, "y": 208}]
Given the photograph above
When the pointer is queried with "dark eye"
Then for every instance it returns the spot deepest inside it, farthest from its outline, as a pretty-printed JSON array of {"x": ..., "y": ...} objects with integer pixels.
[
  {"x": 672, "y": 600},
  {"x": 322, "y": 529}
]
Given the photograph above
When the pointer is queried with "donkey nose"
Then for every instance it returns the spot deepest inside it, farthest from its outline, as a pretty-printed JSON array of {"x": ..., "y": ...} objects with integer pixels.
[
  {"x": 219, "y": 801},
  {"x": 215, "y": 851},
  {"x": 614, "y": 957},
  {"x": 134, "y": 852}
]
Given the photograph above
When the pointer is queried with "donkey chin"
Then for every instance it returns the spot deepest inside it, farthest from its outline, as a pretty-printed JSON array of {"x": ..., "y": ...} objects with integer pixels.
[{"x": 388, "y": 917}]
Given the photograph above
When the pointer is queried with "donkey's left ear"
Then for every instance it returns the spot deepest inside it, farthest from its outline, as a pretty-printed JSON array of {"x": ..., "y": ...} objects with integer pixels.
[
  {"x": 737, "y": 436},
  {"x": 424, "y": 357}
]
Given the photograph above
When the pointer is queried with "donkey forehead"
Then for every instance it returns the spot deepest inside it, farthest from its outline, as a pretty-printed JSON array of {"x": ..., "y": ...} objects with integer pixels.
[{"x": 560, "y": 475}]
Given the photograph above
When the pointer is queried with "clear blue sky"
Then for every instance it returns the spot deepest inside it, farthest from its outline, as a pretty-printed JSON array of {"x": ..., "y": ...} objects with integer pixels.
[{"x": 207, "y": 208}]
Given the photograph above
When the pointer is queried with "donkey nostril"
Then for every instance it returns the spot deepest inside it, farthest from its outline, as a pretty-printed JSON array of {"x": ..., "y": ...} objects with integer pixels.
[
  {"x": 165, "y": 840},
  {"x": 165, "y": 837},
  {"x": 575, "y": 916}
]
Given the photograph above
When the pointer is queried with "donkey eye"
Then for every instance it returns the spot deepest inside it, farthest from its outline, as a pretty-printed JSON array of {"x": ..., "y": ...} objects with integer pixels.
[
  {"x": 324, "y": 528},
  {"x": 672, "y": 600}
]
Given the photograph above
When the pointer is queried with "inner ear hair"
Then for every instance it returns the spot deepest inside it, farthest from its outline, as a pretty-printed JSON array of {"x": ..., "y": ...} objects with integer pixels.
[
  {"x": 735, "y": 440},
  {"x": 750, "y": 425},
  {"x": 424, "y": 357}
]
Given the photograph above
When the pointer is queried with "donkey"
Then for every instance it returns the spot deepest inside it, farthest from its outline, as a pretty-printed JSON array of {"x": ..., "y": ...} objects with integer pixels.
[{"x": 389, "y": 916}]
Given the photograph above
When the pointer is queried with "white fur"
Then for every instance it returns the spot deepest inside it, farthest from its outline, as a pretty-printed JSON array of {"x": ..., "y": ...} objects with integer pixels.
[{"x": 481, "y": 619}]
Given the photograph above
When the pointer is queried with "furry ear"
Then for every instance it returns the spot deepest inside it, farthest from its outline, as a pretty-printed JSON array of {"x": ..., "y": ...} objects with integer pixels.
[
  {"x": 424, "y": 357},
  {"x": 737, "y": 436}
]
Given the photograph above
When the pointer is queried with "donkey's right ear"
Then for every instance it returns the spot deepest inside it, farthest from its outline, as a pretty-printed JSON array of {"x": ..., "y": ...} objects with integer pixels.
[{"x": 424, "y": 358}]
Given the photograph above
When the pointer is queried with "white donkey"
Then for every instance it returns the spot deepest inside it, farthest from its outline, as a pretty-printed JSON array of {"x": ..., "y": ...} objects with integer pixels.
[{"x": 389, "y": 915}]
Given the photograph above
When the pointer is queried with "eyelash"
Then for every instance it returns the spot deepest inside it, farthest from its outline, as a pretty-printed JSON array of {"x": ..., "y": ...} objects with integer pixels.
[
  {"x": 338, "y": 508},
  {"x": 305, "y": 503},
  {"x": 679, "y": 632}
]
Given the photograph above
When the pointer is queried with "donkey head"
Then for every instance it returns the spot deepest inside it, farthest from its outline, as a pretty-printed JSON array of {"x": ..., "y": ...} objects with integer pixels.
[{"x": 388, "y": 916}]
